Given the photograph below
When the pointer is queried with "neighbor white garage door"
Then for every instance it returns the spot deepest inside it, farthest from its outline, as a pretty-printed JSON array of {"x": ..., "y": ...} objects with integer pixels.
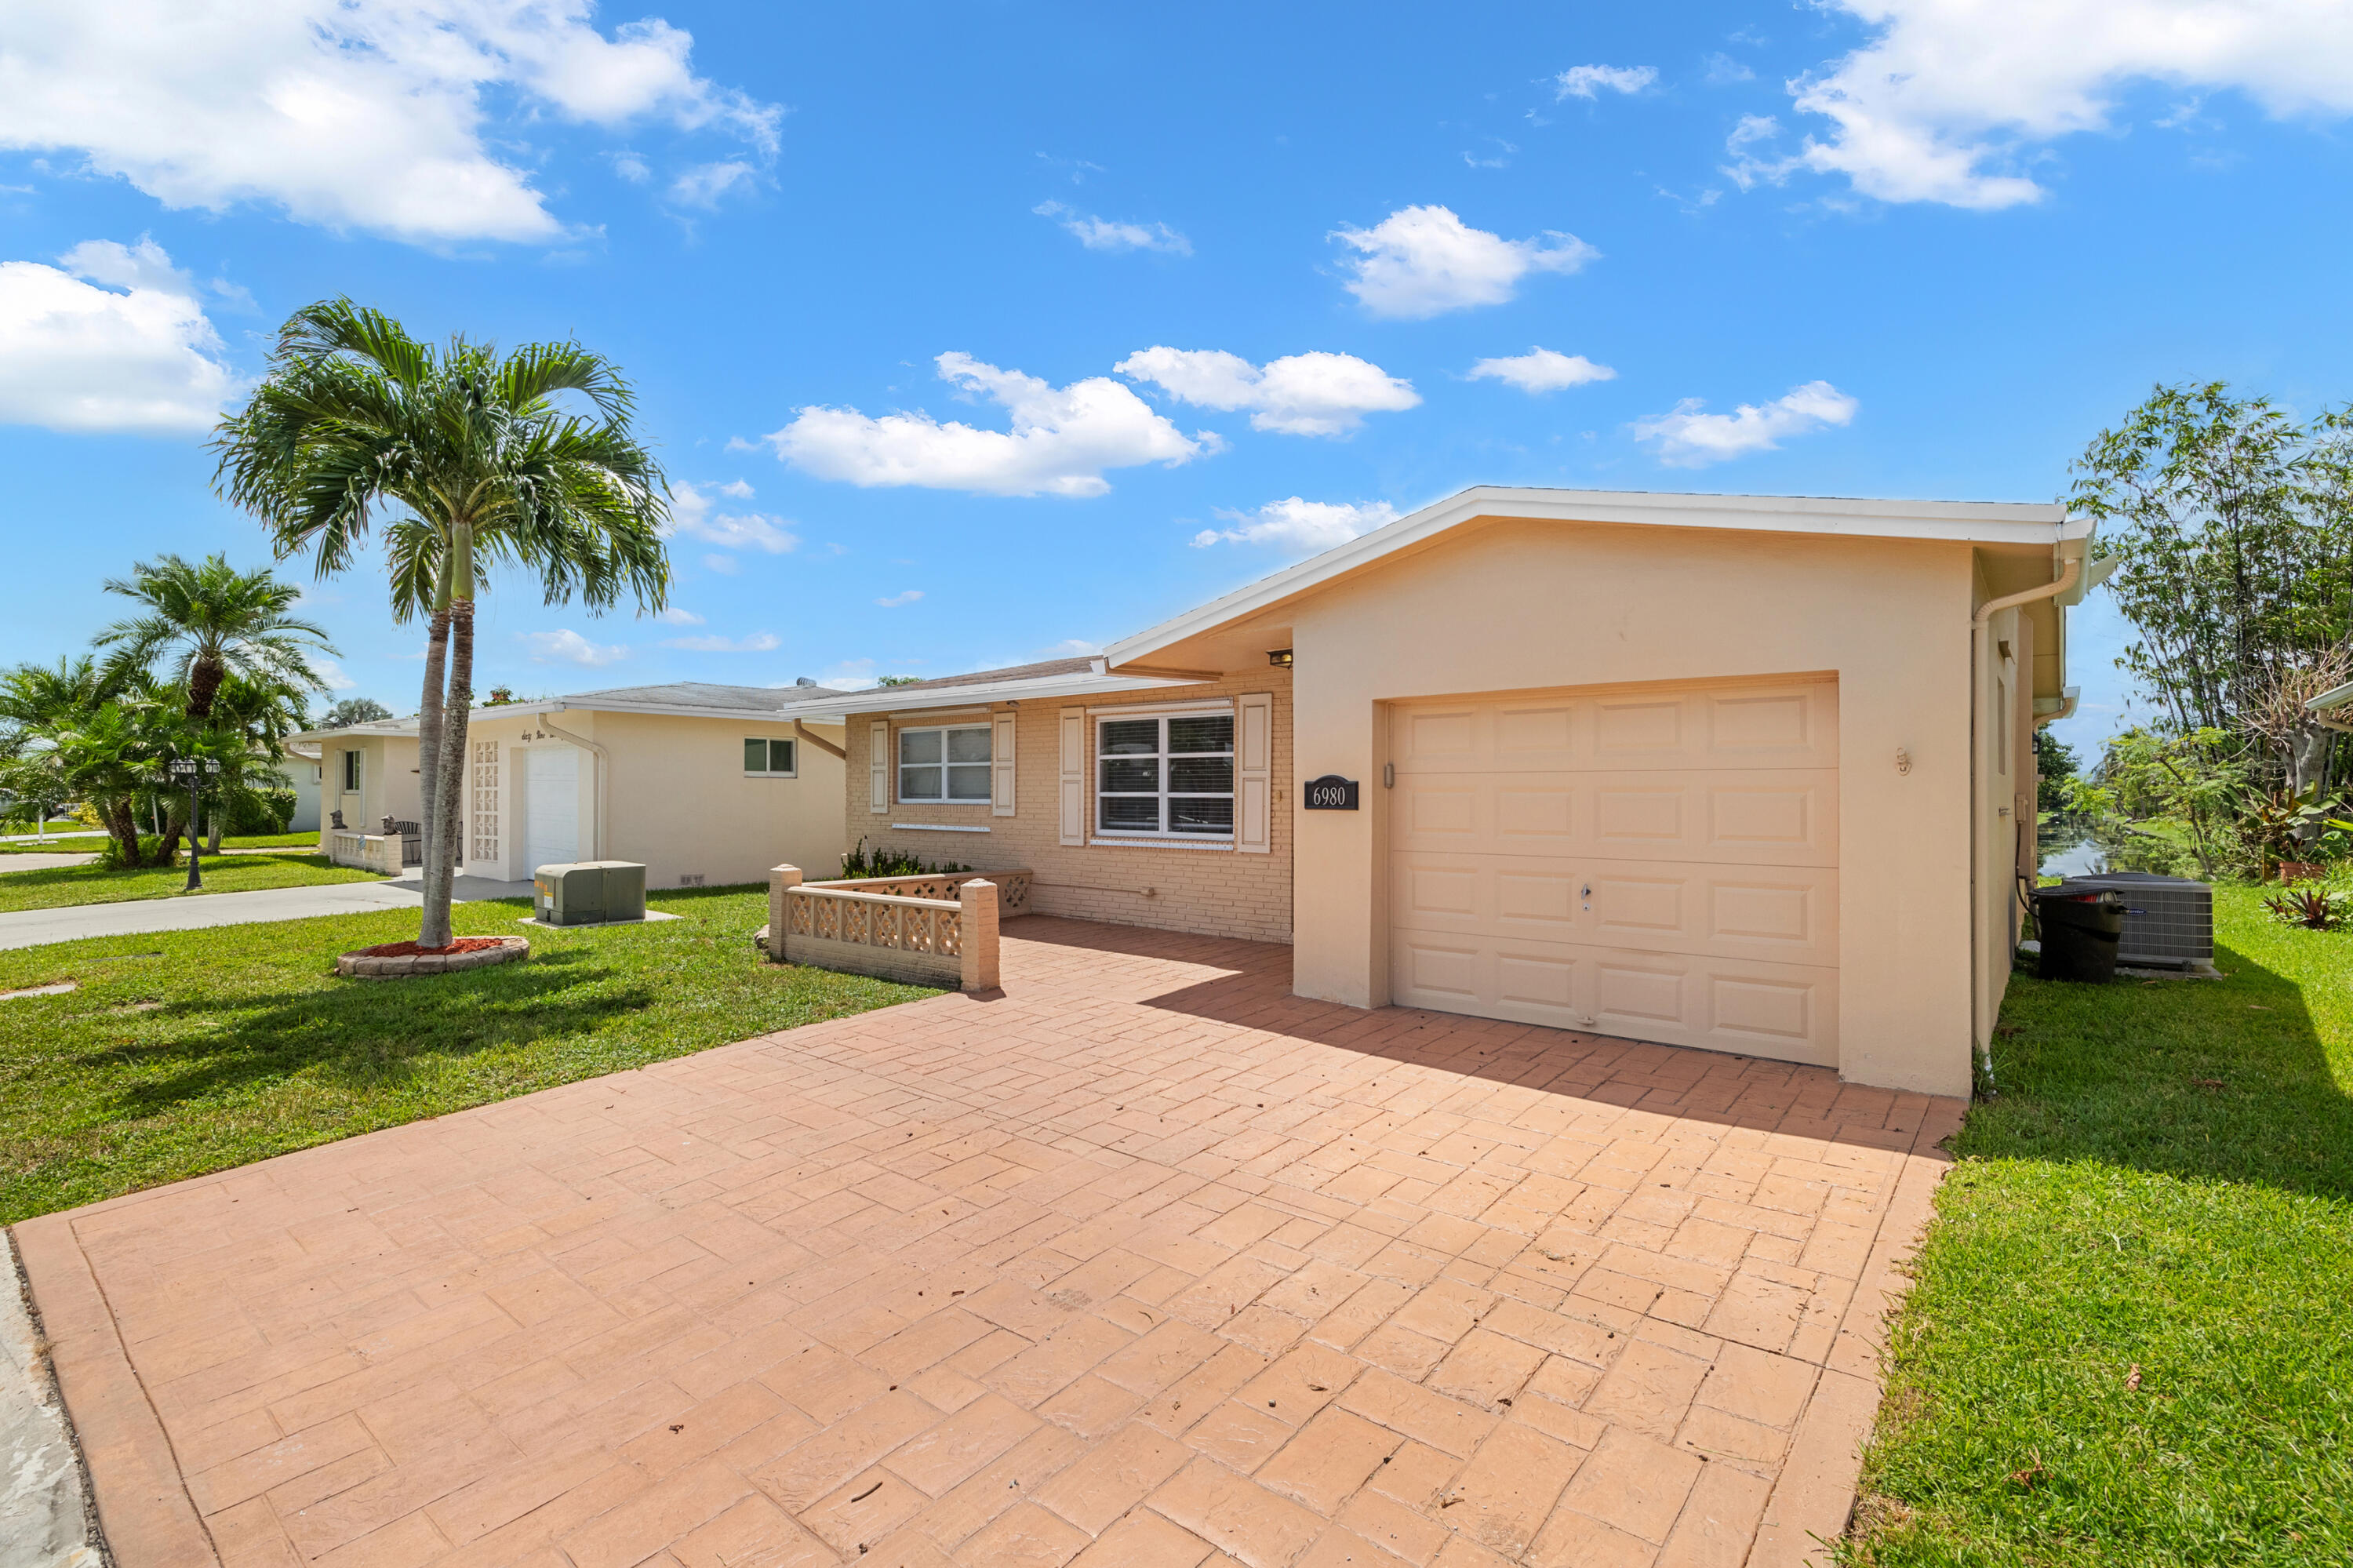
[
  {"x": 551, "y": 806},
  {"x": 1660, "y": 863}
]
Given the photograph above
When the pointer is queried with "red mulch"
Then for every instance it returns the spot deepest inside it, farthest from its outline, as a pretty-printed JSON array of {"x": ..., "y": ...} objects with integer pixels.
[{"x": 411, "y": 950}]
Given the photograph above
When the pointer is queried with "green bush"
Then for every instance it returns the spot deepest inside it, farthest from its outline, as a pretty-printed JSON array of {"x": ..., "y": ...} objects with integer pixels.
[
  {"x": 153, "y": 852},
  {"x": 254, "y": 811},
  {"x": 860, "y": 865}
]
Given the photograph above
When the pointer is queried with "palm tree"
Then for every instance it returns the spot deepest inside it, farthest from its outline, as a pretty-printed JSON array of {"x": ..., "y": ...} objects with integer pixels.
[
  {"x": 479, "y": 465},
  {"x": 206, "y": 621},
  {"x": 109, "y": 753}
]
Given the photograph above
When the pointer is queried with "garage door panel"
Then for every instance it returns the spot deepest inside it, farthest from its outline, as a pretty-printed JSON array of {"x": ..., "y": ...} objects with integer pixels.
[
  {"x": 1744, "y": 816},
  {"x": 1659, "y": 863},
  {"x": 1779, "y": 914},
  {"x": 1786, "y": 1012}
]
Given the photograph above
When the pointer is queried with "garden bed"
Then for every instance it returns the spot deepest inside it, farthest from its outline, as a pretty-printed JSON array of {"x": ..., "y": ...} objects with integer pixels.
[{"x": 396, "y": 960}]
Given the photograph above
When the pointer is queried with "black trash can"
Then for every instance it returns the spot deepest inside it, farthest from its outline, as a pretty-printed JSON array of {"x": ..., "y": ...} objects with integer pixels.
[{"x": 2080, "y": 929}]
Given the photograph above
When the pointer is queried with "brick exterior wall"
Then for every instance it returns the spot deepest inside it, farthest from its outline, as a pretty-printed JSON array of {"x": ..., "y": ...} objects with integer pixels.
[{"x": 1215, "y": 892}]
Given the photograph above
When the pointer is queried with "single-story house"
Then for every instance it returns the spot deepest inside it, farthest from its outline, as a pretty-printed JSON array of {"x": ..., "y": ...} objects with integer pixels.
[
  {"x": 1752, "y": 774},
  {"x": 703, "y": 784}
]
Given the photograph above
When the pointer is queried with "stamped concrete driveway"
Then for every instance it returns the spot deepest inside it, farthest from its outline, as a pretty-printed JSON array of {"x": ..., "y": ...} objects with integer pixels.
[{"x": 1140, "y": 1263}]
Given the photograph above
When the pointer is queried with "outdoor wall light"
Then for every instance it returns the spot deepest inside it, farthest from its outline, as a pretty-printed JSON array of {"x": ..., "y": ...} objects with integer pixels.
[{"x": 1278, "y": 657}]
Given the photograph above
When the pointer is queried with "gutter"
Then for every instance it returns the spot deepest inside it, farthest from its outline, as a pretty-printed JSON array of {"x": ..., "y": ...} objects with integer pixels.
[{"x": 2324, "y": 709}]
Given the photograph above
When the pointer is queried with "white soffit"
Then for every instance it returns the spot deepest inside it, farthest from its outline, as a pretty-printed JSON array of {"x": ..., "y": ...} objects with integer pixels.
[{"x": 1971, "y": 521}]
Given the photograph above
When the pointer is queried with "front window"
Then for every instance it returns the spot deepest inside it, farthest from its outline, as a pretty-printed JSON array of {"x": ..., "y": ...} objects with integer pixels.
[
  {"x": 350, "y": 772},
  {"x": 947, "y": 764},
  {"x": 1169, "y": 777}
]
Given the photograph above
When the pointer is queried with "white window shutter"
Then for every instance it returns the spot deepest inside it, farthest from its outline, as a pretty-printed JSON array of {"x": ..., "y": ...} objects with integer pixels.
[
  {"x": 1075, "y": 776},
  {"x": 878, "y": 769},
  {"x": 1000, "y": 778},
  {"x": 1254, "y": 775}
]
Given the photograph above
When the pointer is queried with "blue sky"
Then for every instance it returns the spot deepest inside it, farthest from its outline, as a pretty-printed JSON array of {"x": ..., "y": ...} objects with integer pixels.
[{"x": 976, "y": 333}]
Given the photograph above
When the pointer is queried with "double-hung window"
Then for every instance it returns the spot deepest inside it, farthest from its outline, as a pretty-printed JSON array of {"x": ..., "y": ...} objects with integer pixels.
[
  {"x": 1168, "y": 776},
  {"x": 770, "y": 758},
  {"x": 947, "y": 763},
  {"x": 350, "y": 772}
]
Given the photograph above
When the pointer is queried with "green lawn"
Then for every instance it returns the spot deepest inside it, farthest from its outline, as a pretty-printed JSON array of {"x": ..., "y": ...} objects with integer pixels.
[
  {"x": 192, "y": 1050},
  {"x": 71, "y": 884},
  {"x": 246, "y": 841},
  {"x": 2164, "y": 1184}
]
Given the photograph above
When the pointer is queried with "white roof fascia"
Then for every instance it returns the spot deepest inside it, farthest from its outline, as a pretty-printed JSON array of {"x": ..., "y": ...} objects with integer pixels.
[
  {"x": 2330, "y": 700},
  {"x": 672, "y": 710},
  {"x": 1975, "y": 522},
  {"x": 941, "y": 699}
]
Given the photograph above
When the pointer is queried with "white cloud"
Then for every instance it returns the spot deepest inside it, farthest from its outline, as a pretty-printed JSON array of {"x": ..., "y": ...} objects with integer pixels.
[
  {"x": 568, "y": 647},
  {"x": 353, "y": 115},
  {"x": 693, "y": 514},
  {"x": 896, "y": 599},
  {"x": 336, "y": 677},
  {"x": 1299, "y": 526},
  {"x": 1314, "y": 393},
  {"x": 676, "y": 617},
  {"x": 76, "y": 356},
  {"x": 1589, "y": 81},
  {"x": 705, "y": 184},
  {"x": 725, "y": 566},
  {"x": 1061, "y": 442},
  {"x": 758, "y": 642},
  {"x": 1687, "y": 438},
  {"x": 1423, "y": 260},
  {"x": 1103, "y": 234},
  {"x": 1541, "y": 370},
  {"x": 1723, "y": 70},
  {"x": 1948, "y": 102}
]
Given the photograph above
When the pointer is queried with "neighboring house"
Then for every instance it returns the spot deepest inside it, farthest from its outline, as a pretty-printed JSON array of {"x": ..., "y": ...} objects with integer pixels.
[
  {"x": 305, "y": 774},
  {"x": 703, "y": 784},
  {"x": 1753, "y": 774}
]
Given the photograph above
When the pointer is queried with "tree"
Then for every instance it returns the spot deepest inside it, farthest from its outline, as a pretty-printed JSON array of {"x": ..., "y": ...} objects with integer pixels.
[
  {"x": 352, "y": 711},
  {"x": 2232, "y": 524},
  {"x": 110, "y": 753},
  {"x": 2054, "y": 768},
  {"x": 479, "y": 466},
  {"x": 206, "y": 621}
]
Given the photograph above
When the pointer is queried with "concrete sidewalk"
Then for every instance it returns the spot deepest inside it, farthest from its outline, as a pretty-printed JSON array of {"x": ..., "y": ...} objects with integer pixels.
[{"x": 31, "y": 928}]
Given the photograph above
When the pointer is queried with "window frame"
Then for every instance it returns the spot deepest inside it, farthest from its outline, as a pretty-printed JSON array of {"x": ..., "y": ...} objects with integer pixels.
[
  {"x": 987, "y": 729},
  {"x": 352, "y": 775},
  {"x": 1107, "y": 834},
  {"x": 772, "y": 742}
]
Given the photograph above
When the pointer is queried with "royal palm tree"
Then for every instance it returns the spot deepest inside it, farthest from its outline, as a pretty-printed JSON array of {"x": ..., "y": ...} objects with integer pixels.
[
  {"x": 205, "y": 621},
  {"x": 478, "y": 465}
]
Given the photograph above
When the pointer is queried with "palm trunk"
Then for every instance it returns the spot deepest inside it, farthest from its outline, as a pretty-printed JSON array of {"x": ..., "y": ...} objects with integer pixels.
[
  {"x": 124, "y": 827},
  {"x": 204, "y": 683},
  {"x": 428, "y": 722},
  {"x": 450, "y": 778},
  {"x": 214, "y": 825}
]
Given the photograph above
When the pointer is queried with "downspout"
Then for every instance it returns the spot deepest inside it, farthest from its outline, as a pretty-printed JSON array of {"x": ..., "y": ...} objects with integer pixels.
[
  {"x": 597, "y": 850},
  {"x": 1980, "y": 1033}
]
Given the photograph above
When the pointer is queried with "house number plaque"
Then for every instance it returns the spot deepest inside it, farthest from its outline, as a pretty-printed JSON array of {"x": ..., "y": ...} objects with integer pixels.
[{"x": 1331, "y": 794}]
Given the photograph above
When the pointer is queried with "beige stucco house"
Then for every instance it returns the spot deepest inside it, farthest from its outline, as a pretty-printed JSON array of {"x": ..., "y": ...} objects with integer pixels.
[
  {"x": 1750, "y": 774},
  {"x": 703, "y": 784}
]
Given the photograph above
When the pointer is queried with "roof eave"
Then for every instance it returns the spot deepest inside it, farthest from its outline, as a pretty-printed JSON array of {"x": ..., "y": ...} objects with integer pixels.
[{"x": 1991, "y": 522}]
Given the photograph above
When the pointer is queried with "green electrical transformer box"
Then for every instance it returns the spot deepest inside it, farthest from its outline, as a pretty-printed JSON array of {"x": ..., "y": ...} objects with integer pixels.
[{"x": 589, "y": 892}]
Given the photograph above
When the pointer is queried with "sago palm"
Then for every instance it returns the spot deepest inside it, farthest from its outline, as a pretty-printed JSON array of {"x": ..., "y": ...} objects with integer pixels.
[
  {"x": 469, "y": 459},
  {"x": 206, "y": 621}
]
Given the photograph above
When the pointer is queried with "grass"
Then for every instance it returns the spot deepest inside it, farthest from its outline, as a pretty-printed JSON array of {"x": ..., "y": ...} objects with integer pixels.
[
  {"x": 194, "y": 1051},
  {"x": 234, "y": 841},
  {"x": 2165, "y": 1186},
  {"x": 73, "y": 884}
]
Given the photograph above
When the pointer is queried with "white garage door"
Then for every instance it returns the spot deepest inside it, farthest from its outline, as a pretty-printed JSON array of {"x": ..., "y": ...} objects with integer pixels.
[
  {"x": 551, "y": 806},
  {"x": 1660, "y": 863}
]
